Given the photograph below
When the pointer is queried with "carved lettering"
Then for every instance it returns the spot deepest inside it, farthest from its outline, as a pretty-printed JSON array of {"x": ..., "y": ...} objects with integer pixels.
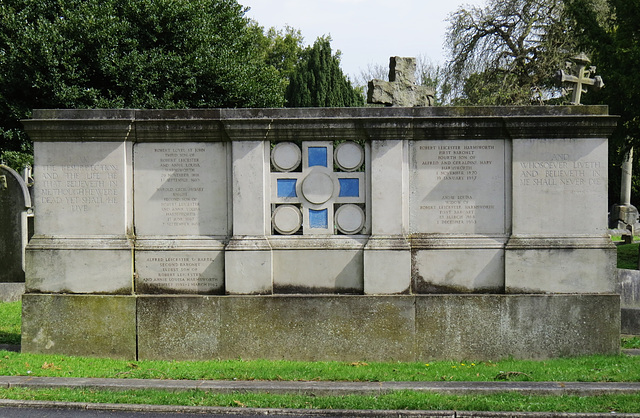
[
  {"x": 560, "y": 171},
  {"x": 455, "y": 186},
  {"x": 79, "y": 188}
]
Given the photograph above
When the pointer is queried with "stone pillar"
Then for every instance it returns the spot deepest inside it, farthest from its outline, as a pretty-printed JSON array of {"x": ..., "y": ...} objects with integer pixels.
[
  {"x": 387, "y": 255},
  {"x": 624, "y": 215},
  {"x": 248, "y": 259}
]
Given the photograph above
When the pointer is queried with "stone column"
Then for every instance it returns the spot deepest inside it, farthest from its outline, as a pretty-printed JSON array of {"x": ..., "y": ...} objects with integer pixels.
[
  {"x": 387, "y": 255},
  {"x": 248, "y": 259}
]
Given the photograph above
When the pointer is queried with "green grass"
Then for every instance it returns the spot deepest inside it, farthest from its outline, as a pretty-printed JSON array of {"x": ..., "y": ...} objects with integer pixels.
[
  {"x": 630, "y": 342},
  {"x": 581, "y": 369},
  {"x": 628, "y": 256},
  {"x": 10, "y": 322},
  {"x": 394, "y": 401}
]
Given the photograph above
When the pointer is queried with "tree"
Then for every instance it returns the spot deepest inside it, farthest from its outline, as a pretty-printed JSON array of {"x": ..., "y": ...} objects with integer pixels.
[
  {"x": 609, "y": 31},
  {"x": 318, "y": 81},
  {"x": 139, "y": 54},
  {"x": 507, "y": 52}
]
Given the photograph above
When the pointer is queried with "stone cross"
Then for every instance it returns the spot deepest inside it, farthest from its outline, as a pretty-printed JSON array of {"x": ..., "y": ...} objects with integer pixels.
[
  {"x": 582, "y": 79},
  {"x": 401, "y": 89}
]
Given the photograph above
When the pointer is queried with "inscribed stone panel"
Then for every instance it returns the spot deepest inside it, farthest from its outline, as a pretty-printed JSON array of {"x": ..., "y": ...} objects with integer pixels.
[
  {"x": 180, "y": 189},
  {"x": 180, "y": 272},
  {"x": 81, "y": 188},
  {"x": 559, "y": 186},
  {"x": 457, "y": 187}
]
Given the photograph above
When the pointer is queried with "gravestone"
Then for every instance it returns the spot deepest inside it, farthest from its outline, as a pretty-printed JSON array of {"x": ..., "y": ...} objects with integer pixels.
[
  {"x": 15, "y": 203},
  {"x": 377, "y": 233},
  {"x": 401, "y": 89}
]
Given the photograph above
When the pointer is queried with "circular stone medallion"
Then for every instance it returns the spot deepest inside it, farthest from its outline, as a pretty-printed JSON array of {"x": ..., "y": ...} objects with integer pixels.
[
  {"x": 286, "y": 156},
  {"x": 349, "y": 219},
  {"x": 286, "y": 219},
  {"x": 349, "y": 156},
  {"x": 317, "y": 187}
]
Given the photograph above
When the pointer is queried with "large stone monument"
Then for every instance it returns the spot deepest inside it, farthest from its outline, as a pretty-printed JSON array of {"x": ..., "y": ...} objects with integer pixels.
[
  {"x": 15, "y": 207},
  {"x": 387, "y": 233}
]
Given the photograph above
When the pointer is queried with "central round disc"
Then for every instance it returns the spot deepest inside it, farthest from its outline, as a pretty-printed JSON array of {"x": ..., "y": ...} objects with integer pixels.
[{"x": 317, "y": 188}]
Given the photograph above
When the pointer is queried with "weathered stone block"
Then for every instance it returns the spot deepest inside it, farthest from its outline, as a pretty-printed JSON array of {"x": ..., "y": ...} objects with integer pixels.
[
  {"x": 87, "y": 325},
  {"x": 179, "y": 327},
  {"x": 495, "y": 326},
  {"x": 316, "y": 328}
]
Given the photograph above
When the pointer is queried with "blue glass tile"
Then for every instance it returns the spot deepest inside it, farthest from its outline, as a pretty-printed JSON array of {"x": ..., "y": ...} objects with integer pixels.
[
  {"x": 349, "y": 187},
  {"x": 287, "y": 188},
  {"x": 317, "y": 156},
  {"x": 319, "y": 218}
]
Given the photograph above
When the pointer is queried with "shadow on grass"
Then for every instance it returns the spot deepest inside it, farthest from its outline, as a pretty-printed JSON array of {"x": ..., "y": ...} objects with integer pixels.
[
  {"x": 628, "y": 256},
  {"x": 9, "y": 337}
]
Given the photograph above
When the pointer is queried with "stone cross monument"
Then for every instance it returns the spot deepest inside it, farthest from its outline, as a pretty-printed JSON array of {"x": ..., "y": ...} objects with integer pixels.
[
  {"x": 582, "y": 79},
  {"x": 401, "y": 89}
]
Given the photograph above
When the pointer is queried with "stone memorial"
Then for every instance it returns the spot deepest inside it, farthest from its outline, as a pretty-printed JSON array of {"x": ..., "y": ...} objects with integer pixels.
[
  {"x": 382, "y": 233},
  {"x": 15, "y": 207},
  {"x": 401, "y": 89}
]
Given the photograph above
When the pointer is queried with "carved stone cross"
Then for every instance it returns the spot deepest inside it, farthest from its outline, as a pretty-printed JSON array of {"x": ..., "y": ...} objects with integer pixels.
[
  {"x": 581, "y": 80},
  {"x": 401, "y": 89}
]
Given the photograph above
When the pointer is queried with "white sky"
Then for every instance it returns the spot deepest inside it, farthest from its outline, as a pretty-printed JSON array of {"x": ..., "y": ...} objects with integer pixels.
[{"x": 366, "y": 31}]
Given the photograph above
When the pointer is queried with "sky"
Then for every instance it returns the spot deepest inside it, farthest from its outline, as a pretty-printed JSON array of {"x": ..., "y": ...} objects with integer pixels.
[{"x": 367, "y": 32}]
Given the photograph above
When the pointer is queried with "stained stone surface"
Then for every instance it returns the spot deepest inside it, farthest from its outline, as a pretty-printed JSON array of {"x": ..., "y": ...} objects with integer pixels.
[
  {"x": 181, "y": 189},
  {"x": 88, "y": 325},
  {"x": 401, "y": 89},
  {"x": 14, "y": 203},
  {"x": 83, "y": 189}
]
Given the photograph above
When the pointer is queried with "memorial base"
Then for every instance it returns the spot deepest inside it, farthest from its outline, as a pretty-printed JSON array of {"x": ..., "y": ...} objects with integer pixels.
[
  {"x": 541, "y": 265},
  {"x": 322, "y": 328}
]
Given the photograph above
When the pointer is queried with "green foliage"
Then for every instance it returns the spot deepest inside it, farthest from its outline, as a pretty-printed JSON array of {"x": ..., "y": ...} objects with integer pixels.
[
  {"x": 318, "y": 81},
  {"x": 140, "y": 54},
  {"x": 609, "y": 31},
  {"x": 507, "y": 52}
]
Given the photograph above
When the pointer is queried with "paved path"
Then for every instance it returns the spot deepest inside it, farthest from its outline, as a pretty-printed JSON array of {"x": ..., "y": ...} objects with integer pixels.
[
  {"x": 327, "y": 388},
  {"x": 302, "y": 387}
]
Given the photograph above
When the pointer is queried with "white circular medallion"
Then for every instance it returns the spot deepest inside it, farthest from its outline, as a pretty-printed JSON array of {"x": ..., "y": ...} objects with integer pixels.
[
  {"x": 286, "y": 219},
  {"x": 349, "y": 156},
  {"x": 349, "y": 219},
  {"x": 317, "y": 187},
  {"x": 286, "y": 156}
]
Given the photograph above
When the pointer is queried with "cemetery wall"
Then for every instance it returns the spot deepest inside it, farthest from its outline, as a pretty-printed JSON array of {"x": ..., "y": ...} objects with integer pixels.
[{"x": 334, "y": 230}]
